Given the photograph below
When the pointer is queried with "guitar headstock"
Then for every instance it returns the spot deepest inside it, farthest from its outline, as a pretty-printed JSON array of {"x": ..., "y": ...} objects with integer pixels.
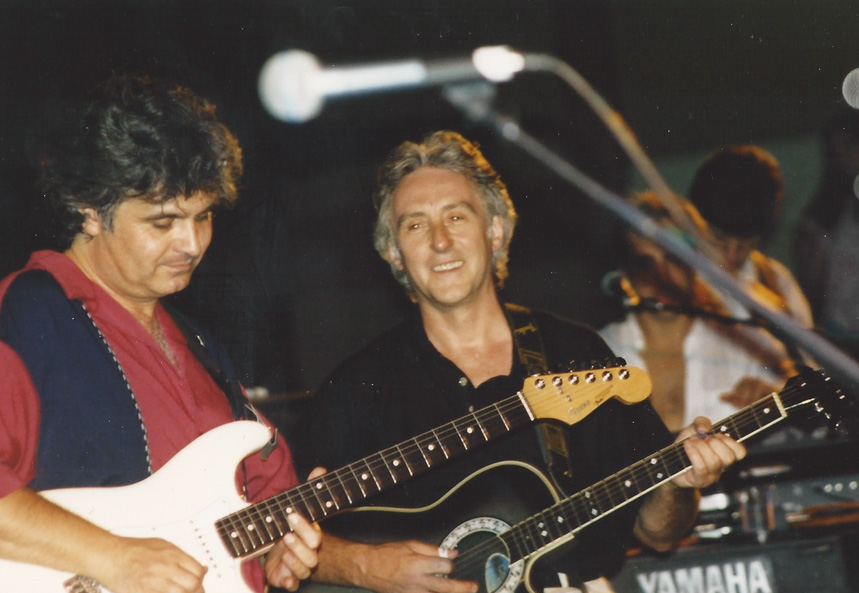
[
  {"x": 818, "y": 394},
  {"x": 572, "y": 395}
]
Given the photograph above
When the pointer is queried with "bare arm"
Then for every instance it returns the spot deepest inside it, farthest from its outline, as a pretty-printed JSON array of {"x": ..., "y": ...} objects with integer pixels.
[
  {"x": 36, "y": 531},
  {"x": 387, "y": 568},
  {"x": 668, "y": 512}
]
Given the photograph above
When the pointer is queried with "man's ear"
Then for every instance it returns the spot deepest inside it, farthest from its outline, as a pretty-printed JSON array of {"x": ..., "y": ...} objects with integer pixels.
[
  {"x": 496, "y": 233},
  {"x": 392, "y": 254},
  {"x": 91, "y": 225}
]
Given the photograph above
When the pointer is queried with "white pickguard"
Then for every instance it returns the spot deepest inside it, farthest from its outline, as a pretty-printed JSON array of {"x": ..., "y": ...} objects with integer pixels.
[{"x": 179, "y": 503}]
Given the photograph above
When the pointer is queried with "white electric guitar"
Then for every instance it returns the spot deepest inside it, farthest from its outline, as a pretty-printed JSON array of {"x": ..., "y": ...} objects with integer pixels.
[{"x": 192, "y": 500}]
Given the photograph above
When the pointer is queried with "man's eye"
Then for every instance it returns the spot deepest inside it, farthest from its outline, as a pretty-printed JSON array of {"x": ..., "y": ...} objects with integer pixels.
[{"x": 162, "y": 224}]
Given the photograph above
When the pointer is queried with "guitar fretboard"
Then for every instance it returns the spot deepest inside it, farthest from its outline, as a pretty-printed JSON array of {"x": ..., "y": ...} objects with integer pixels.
[
  {"x": 566, "y": 396},
  {"x": 263, "y": 523},
  {"x": 587, "y": 506}
]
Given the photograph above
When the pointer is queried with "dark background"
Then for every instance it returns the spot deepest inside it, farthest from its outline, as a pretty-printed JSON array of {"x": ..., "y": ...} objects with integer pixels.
[{"x": 291, "y": 283}]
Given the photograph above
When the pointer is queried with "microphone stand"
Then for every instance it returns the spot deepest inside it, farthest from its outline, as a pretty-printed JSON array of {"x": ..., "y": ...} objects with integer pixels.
[{"x": 475, "y": 100}]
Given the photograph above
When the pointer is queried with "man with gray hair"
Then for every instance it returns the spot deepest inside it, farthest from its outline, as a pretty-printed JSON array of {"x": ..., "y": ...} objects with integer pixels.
[{"x": 445, "y": 221}]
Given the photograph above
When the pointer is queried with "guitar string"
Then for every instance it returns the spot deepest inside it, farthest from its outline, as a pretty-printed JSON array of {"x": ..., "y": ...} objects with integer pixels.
[
  {"x": 486, "y": 417},
  {"x": 669, "y": 456},
  {"x": 490, "y": 418},
  {"x": 609, "y": 491}
]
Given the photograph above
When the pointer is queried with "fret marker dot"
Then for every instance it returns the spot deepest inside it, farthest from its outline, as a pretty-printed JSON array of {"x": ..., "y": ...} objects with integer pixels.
[
  {"x": 234, "y": 535},
  {"x": 329, "y": 504},
  {"x": 659, "y": 475},
  {"x": 431, "y": 447},
  {"x": 250, "y": 527},
  {"x": 269, "y": 520},
  {"x": 560, "y": 519},
  {"x": 364, "y": 476},
  {"x": 469, "y": 430},
  {"x": 627, "y": 483},
  {"x": 587, "y": 494},
  {"x": 594, "y": 512},
  {"x": 544, "y": 533},
  {"x": 396, "y": 462},
  {"x": 289, "y": 510},
  {"x": 652, "y": 462},
  {"x": 319, "y": 485}
]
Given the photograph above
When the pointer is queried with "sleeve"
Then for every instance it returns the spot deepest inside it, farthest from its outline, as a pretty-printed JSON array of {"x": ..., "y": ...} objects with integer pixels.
[{"x": 19, "y": 423}]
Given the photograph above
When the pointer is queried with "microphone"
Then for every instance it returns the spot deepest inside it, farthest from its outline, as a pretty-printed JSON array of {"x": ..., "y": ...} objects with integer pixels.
[
  {"x": 293, "y": 85},
  {"x": 850, "y": 88},
  {"x": 616, "y": 285}
]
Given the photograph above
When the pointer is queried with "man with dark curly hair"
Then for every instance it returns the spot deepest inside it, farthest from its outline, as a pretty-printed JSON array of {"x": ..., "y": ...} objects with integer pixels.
[{"x": 103, "y": 383}]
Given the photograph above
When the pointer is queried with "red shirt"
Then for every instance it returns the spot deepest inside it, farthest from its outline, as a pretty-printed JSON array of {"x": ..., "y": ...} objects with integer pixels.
[{"x": 177, "y": 402}]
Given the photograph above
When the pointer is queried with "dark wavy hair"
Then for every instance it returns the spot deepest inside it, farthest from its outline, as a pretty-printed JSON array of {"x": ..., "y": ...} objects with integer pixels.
[
  {"x": 443, "y": 150},
  {"x": 135, "y": 138},
  {"x": 738, "y": 189}
]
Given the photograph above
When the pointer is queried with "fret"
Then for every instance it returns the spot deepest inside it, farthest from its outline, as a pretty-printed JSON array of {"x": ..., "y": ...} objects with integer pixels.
[
  {"x": 404, "y": 460},
  {"x": 675, "y": 461},
  {"x": 238, "y": 536},
  {"x": 328, "y": 494},
  {"x": 277, "y": 517},
  {"x": 578, "y": 507},
  {"x": 444, "y": 449},
  {"x": 611, "y": 492},
  {"x": 357, "y": 479},
  {"x": 529, "y": 535},
  {"x": 266, "y": 522},
  {"x": 552, "y": 524},
  {"x": 503, "y": 417},
  {"x": 592, "y": 501},
  {"x": 313, "y": 505},
  {"x": 413, "y": 457},
  {"x": 459, "y": 434},
  {"x": 483, "y": 431},
  {"x": 629, "y": 485},
  {"x": 378, "y": 479},
  {"x": 344, "y": 488},
  {"x": 394, "y": 466}
]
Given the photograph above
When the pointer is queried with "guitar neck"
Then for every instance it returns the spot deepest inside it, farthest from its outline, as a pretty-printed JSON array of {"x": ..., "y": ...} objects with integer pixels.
[
  {"x": 572, "y": 514},
  {"x": 254, "y": 529}
]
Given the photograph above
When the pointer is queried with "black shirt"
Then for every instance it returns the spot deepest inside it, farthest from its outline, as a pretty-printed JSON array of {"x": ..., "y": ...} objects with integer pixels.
[{"x": 400, "y": 386}]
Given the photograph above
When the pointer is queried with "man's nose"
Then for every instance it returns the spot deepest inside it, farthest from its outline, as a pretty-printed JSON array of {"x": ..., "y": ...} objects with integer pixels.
[
  {"x": 440, "y": 237},
  {"x": 190, "y": 240}
]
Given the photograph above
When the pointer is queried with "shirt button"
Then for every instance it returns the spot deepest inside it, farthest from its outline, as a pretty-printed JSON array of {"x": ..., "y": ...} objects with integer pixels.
[{"x": 463, "y": 381}]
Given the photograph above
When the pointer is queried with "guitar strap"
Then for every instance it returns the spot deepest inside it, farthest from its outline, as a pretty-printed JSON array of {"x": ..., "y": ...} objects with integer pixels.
[
  {"x": 241, "y": 406},
  {"x": 531, "y": 353}
]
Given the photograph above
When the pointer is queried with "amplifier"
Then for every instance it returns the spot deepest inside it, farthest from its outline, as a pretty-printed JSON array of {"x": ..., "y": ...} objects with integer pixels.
[{"x": 800, "y": 566}]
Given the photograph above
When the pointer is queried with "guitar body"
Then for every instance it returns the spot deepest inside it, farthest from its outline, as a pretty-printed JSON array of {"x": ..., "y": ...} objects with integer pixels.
[
  {"x": 179, "y": 503},
  {"x": 467, "y": 518},
  {"x": 192, "y": 501}
]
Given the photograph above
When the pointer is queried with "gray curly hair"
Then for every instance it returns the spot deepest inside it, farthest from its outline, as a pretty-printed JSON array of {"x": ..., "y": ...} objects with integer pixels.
[{"x": 443, "y": 150}]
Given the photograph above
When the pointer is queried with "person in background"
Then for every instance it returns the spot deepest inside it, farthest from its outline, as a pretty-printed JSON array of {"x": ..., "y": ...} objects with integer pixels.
[
  {"x": 702, "y": 360},
  {"x": 445, "y": 222},
  {"x": 738, "y": 190},
  {"x": 102, "y": 382}
]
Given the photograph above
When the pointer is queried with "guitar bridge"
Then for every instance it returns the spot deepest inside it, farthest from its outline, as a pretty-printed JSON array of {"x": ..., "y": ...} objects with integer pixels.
[{"x": 81, "y": 584}]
